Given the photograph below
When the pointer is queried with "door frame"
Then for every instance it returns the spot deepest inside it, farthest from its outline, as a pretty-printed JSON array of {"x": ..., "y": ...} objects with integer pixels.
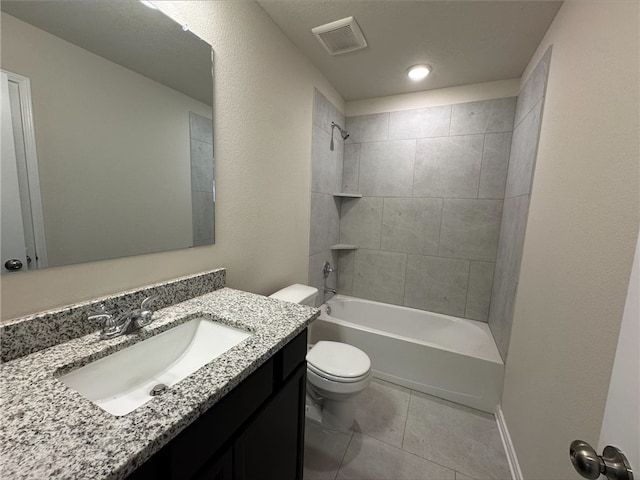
[{"x": 31, "y": 160}]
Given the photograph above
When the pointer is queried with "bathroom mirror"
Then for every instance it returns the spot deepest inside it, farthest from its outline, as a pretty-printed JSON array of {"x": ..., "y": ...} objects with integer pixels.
[{"x": 117, "y": 157}]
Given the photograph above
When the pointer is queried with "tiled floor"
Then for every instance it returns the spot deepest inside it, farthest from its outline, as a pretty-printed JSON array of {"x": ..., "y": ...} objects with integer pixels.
[{"x": 401, "y": 434}]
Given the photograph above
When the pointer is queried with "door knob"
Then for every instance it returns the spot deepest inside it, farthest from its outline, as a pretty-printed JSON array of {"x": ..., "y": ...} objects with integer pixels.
[
  {"x": 13, "y": 264},
  {"x": 590, "y": 465}
]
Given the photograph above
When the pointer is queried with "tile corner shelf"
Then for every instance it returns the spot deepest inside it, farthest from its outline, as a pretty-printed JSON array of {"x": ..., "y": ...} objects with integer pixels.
[
  {"x": 343, "y": 246},
  {"x": 347, "y": 195}
]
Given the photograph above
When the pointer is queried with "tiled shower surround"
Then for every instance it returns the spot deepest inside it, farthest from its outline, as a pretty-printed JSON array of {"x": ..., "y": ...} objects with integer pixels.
[
  {"x": 516, "y": 203},
  {"x": 445, "y": 194},
  {"x": 433, "y": 182},
  {"x": 326, "y": 179}
]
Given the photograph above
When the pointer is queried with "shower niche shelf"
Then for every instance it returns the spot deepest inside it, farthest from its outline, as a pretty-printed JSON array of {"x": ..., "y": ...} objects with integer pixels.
[
  {"x": 343, "y": 246},
  {"x": 347, "y": 195}
]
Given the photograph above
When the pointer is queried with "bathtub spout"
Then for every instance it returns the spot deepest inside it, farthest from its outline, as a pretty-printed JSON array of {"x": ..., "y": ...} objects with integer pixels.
[{"x": 330, "y": 290}]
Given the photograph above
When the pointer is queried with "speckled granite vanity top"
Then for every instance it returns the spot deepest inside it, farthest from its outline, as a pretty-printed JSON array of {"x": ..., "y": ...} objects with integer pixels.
[{"x": 50, "y": 431}]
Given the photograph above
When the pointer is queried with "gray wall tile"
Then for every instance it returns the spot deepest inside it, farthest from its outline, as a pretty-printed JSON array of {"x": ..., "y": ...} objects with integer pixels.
[
  {"x": 361, "y": 222},
  {"x": 201, "y": 166},
  {"x": 487, "y": 116},
  {"x": 503, "y": 298},
  {"x": 411, "y": 225},
  {"x": 448, "y": 167},
  {"x": 346, "y": 262},
  {"x": 324, "y": 112},
  {"x": 470, "y": 229},
  {"x": 379, "y": 276},
  {"x": 420, "y": 123},
  {"x": 495, "y": 163},
  {"x": 386, "y": 168},
  {"x": 351, "y": 168},
  {"x": 321, "y": 107},
  {"x": 326, "y": 178},
  {"x": 516, "y": 204},
  {"x": 437, "y": 284},
  {"x": 534, "y": 89},
  {"x": 479, "y": 290},
  {"x": 524, "y": 148},
  {"x": 315, "y": 273},
  {"x": 324, "y": 162},
  {"x": 512, "y": 231},
  {"x": 368, "y": 128},
  {"x": 325, "y": 222},
  {"x": 200, "y": 128},
  {"x": 462, "y": 159},
  {"x": 202, "y": 213}
]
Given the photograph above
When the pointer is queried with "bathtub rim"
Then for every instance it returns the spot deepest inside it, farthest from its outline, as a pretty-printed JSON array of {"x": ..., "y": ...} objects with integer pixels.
[{"x": 493, "y": 357}]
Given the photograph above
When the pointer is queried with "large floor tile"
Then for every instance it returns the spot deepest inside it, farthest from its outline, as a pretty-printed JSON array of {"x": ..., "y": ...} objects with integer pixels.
[
  {"x": 460, "y": 476},
  {"x": 457, "y": 437},
  {"x": 323, "y": 451},
  {"x": 381, "y": 411},
  {"x": 370, "y": 459}
]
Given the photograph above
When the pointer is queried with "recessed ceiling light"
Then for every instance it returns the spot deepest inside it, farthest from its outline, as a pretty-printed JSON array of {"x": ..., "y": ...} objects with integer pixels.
[
  {"x": 418, "y": 72},
  {"x": 148, "y": 4}
]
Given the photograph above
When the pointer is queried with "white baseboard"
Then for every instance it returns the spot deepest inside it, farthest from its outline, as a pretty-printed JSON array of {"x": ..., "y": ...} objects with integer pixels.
[{"x": 512, "y": 458}]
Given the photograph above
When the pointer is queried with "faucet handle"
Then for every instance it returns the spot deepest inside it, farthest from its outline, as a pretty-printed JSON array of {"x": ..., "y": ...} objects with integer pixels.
[
  {"x": 146, "y": 314},
  {"x": 100, "y": 312},
  {"x": 147, "y": 302}
]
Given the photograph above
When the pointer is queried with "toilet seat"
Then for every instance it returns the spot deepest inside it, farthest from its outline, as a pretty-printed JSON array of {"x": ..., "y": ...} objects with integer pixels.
[
  {"x": 335, "y": 378},
  {"x": 338, "y": 362}
]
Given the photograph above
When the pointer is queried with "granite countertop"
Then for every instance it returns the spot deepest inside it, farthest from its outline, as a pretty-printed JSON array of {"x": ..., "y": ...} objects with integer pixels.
[{"x": 51, "y": 431}]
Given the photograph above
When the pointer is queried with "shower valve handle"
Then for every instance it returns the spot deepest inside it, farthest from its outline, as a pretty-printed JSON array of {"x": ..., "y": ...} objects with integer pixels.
[{"x": 326, "y": 269}]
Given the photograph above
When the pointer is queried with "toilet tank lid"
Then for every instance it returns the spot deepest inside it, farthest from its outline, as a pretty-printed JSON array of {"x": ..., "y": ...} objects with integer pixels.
[{"x": 296, "y": 293}]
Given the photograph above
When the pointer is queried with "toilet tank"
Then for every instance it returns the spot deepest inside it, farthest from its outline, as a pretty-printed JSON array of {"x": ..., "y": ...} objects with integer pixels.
[{"x": 297, "y": 293}]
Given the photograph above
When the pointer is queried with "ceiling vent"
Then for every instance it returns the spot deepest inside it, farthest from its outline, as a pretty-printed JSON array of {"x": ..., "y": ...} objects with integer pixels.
[{"x": 341, "y": 36}]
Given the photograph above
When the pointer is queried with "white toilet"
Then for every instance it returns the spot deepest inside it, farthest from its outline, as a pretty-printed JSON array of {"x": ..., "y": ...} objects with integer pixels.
[{"x": 336, "y": 372}]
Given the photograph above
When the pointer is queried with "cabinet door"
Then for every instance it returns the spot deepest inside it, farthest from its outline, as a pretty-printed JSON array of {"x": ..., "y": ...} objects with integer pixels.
[
  {"x": 219, "y": 468},
  {"x": 272, "y": 444}
]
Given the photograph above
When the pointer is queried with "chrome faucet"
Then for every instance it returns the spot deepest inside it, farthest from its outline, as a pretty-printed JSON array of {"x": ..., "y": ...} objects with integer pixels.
[
  {"x": 330, "y": 290},
  {"x": 127, "y": 322}
]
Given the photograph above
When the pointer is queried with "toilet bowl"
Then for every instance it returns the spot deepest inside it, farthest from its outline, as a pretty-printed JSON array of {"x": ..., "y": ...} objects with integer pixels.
[{"x": 336, "y": 372}]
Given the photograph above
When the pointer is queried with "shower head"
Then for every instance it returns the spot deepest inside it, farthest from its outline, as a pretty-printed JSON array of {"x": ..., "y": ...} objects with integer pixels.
[{"x": 343, "y": 132}]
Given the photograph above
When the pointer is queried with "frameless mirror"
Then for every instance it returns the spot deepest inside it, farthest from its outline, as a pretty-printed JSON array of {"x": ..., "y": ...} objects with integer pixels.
[{"x": 107, "y": 133}]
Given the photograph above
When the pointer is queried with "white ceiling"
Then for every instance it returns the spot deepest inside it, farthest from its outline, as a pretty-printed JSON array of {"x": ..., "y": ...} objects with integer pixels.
[
  {"x": 129, "y": 34},
  {"x": 465, "y": 42}
]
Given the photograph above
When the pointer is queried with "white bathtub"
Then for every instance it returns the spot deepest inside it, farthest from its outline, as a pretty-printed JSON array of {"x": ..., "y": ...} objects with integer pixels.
[{"x": 449, "y": 357}]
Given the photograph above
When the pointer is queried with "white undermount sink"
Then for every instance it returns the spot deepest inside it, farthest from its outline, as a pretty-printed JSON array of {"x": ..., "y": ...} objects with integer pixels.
[{"x": 123, "y": 381}]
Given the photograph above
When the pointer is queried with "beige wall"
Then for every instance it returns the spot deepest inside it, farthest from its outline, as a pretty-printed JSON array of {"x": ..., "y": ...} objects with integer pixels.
[
  {"x": 581, "y": 234},
  {"x": 112, "y": 145},
  {"x": 432, "y": 98},
  {"x": 262, "y": 122}
]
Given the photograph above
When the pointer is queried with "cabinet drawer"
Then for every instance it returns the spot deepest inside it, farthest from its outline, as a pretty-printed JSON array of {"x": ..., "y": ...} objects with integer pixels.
[{"x": 293, "y": 354}]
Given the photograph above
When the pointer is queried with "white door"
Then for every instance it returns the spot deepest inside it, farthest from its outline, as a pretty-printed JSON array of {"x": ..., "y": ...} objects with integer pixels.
[
  {"x": 621, "y": 422},
  {"x": 13, "y": 246}
]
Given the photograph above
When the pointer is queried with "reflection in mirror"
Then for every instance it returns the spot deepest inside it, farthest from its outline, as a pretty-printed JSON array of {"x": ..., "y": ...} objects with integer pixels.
[{"x": 107, "y": 150}]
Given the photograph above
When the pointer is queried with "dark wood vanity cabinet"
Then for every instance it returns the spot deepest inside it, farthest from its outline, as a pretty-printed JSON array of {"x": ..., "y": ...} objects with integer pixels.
[{"x": 256, "y": 432}]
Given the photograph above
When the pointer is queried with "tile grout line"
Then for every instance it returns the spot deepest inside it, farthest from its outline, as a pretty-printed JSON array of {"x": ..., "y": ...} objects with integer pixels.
[
  {"x": 344, "y": 455},
  {"x": 408, "y": 453},
  {"x": 466, "y": 297},
  {"x": 484, "y": 143},
  {"x": 411, "y": 392},
  {"x": 406, "y": 420}
]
